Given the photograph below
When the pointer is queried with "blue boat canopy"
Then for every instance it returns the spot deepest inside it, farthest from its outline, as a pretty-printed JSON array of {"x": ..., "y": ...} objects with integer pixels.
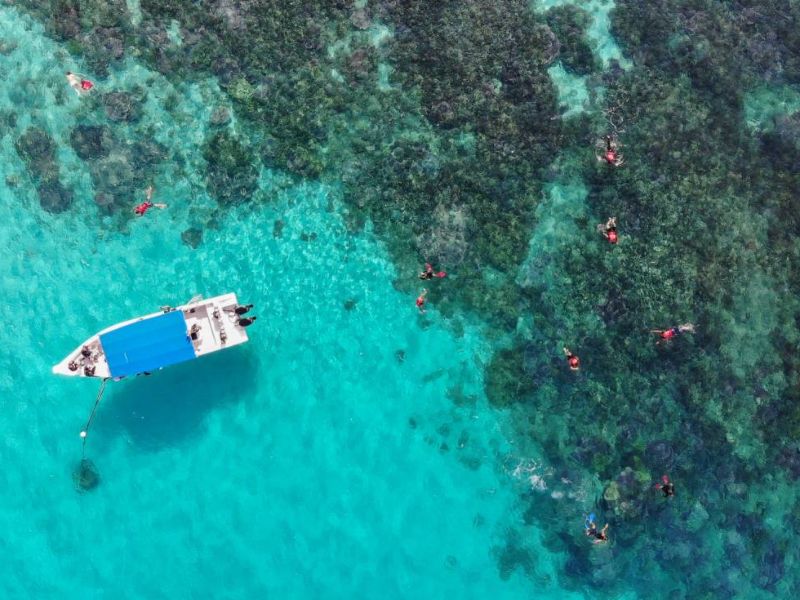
[{"x": 147, "y": 345}]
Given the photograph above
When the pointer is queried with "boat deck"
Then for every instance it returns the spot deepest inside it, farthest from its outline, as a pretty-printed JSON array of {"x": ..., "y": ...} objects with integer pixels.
[
  {"x": 213, "y": 326},
  {"x": 210, "y": 325}
]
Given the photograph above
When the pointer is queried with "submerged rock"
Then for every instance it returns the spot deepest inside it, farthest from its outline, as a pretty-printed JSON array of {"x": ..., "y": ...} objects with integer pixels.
[
  {"x": 659, "y": 455},
  {"x": 91, "y": 141},
  {"x": 569, "y": 23},
  {"x": 697, "y": 517},
  {"x": 506, "y": 382},
  {"x": 38, "y": 150},
  {"x": 772, "y": 566},
  {"x": 86, "y": 476},
  {"x": 122, "y": 106},
  {"x": 192, "y": 237},
  {"x": 625, "y": 495},
  {"x": 53, "y": 196},
  {"x": 221, "y": 116},
  {"x": 232, "y": 175},
  {"x": 148, "y": 153}
]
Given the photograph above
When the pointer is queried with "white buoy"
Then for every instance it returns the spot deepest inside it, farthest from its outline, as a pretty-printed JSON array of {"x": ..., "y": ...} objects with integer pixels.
[{"x": 83, "y": 434}]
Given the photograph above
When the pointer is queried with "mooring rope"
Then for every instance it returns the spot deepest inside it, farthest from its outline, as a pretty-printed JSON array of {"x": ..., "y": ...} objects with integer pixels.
[{"x": 85, "y": 431}]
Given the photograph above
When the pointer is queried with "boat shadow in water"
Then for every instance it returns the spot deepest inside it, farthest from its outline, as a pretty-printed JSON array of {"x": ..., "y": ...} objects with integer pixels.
[{"x": 170, "y": 406}]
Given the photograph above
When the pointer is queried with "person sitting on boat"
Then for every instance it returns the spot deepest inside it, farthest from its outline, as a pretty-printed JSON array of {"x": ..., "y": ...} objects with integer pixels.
[
  {"x": 89, "y": 370},
  {"x": 609, "y": 230},
  {"x": 73, "y": 366},
  {"x": 147, "y": 204},
  {"x": 85, "y": 351},
  {"x": 610, "y": 152},
  {"x": 242, "y": 309},
  {"x": 246, "y": 321}
]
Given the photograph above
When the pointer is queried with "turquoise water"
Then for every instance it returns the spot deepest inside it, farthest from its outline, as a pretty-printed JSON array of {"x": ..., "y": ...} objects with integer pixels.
[
  {"x": 340, "y": 454},
  {"x": 313, "y": 156}
]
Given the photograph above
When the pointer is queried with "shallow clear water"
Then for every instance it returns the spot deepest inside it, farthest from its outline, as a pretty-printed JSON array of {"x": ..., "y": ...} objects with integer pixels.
[
  {"x": 341, "y": 453},
  {"x": 349, "y": 449}
]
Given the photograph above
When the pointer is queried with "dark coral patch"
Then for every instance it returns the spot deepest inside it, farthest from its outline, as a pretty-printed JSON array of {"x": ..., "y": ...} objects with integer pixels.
[
  {"x": 38, "y": 150},
  {"x": 232, "y": 174}
]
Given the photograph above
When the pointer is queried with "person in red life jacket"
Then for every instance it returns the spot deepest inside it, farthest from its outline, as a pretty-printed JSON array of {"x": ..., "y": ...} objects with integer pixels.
[
  {"x": 429, "y": 274},
  {"x": 665, "y": 335},
  {"x": 666, "y": 486},
  {"x": 79, "y": 84},
  {"x": 610, "y": 152},
  {"x": 421, "y": 301},
  {"x": 147, "y": 204},
  {"x": 609, "y": 230},
  {"x": 573, "y": 361}
]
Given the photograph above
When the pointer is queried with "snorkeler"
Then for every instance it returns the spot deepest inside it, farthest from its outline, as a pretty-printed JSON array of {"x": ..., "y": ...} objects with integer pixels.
[
  {"x": 77, "y": 83},
  {"x": 666, "y": 335},
  {"x": 147, "y": 204},
  {"x": 421, "y": 301},
  {"x": 573, "y": 361},
  {"x": 591, "y": 530},
  {"x": 666, "y": 486},
  {"x": 610, "y": 152},
  {"x": 429, "y": 274},
  {"x": 609, "y": 230}
]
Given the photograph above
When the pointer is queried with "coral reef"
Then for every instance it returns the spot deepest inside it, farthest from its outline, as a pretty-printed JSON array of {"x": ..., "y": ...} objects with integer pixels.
[
  {"x": 232, "y": 175},
  {"x": 38, "y": 150},
  {"x": 569, "y": 23},
  {"x": 445, "y": 134}
]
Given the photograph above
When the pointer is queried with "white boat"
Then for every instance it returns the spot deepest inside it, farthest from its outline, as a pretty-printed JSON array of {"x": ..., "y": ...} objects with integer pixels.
[{"x": 157, "y": 340}]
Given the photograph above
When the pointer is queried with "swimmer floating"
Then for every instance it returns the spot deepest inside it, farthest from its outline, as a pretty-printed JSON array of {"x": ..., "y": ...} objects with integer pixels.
[
  {"x": 147, "y": 204},
  {"x": 428, "y": 273},
  {"x": 610, "y": 153},
  {"x": 421, "y": 301},
  {"x": 81, "y": 85},
  {"x": 665, "y": 335},
  {"x": 609, "y": 230},
  {"x": 666, "y": 486},
  {"x": 591, "y": 530},
  {"x": 572, "y": 360}
]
